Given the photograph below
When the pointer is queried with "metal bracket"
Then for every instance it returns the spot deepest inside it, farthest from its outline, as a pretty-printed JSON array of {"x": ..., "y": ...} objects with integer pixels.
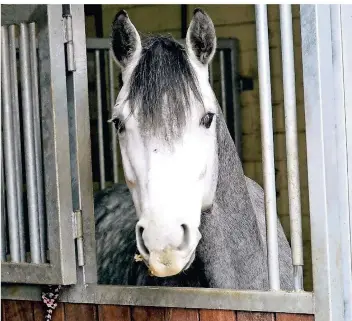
[
  {"x": 68, "y": 40},
  {"x": 78, "y": 235}
]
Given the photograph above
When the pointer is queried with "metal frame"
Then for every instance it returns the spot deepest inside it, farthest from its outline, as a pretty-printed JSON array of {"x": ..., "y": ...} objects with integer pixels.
[
  {"x": 62, "y": 267},
  {"x": 325, "y": 124},
  {"x": 201, "y": 298}
]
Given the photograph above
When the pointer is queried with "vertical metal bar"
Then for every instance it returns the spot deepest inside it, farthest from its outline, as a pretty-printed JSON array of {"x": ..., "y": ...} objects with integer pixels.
[
  {"x": 113, "y": 130},
  {"x": 29, "y": 144},
  {"x": 17, "y": 142},
  {"x": 9, "y": 152},
  {"x": 223, "y": 84},
  {"x": 37, "y": 136},
  {"x": 80, "y": 149},
  {"x": 341, "y": 24},
  {"x": 211, "y": 74},
  {"x": 236, "y": 96},
  {"x": 323, "y": 157},
  {"x": 100, "y": 121},
  {"x": 267, "y": 144},
  {"x": 291, "y": 143},
  {"x": 2, "y": 195}
]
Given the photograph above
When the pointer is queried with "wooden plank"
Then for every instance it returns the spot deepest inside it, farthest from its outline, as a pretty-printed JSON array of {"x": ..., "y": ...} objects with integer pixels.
[
  {"x": 148, "y": 314},
  {"x": 39, "y": 310},
  {"x": 114, "y": 313},
  {"x": 294, "y": 317},
  {"x": 17, "y": 310},
  {"x": 2, "y": 311},
  {"x": 176, "y": 314},
  {"x": 218, "y": 315},
  {"x": 255, "y": 316},
  {"x": 74, "y": 312}
]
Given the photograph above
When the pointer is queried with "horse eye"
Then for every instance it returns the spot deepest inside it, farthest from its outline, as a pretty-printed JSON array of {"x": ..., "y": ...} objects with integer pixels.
[
  {"x": 207, "y": 120},
  {"x": 120, "y": 127}
]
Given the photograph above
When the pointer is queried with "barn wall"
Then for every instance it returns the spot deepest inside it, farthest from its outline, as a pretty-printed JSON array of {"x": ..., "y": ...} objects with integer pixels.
[
  {"x": 34, "y": 311},
  {"x": 239, "y": 21}
]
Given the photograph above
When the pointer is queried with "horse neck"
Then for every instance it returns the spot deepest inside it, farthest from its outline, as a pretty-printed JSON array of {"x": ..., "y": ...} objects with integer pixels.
[{"x": 230, "y": 248}]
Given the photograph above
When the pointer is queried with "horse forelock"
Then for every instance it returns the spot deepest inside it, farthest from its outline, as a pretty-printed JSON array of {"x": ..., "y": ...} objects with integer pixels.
[{"x": 163, "y": 86}]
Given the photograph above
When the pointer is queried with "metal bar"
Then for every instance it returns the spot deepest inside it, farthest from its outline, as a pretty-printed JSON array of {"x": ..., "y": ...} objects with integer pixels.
[
  {"x": 29, "y": 144},
  {"x": 2, "y": 200},
  {"x": 267, "y": 144},
  {"x": 223, "y": 85},
  {"x": 80, "y": 148},
  {"x": 323, "y": 157},
  {"x": 291, "y": 143},
  {"x": 211, "y": 74},
  {"x": 236, "y": 96},
  {"x": 197, "y": 298},
  {"x": 17, "y": 142},
  {"x": 341, "y": 23},
  {"x": 9, "y": 152},
  {"x": 37, "y": 136},
  {"x": 345, "y": 13},
  {"x": 100, "y": 120},
  {"x": 113, "y": 130},
  {"x": 104, "y": 43}
]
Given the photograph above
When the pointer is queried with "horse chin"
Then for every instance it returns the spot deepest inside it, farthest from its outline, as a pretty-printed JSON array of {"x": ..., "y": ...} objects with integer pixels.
[{"x": 162, "y": 271}]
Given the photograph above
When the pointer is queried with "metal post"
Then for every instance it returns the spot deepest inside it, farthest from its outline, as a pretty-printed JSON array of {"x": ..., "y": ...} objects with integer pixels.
[
  {"x": 17, "y": 142},
  {"x": 80, "y": 149},
  {"x": 291, "y": 143},
  {"x": 211, "y": 74},
  {"x": 323, "y": 160},
  {"x": 37, "y": 135},
  {"x": 223, "y": 84},
  {"x": 267, "y": 144},
  {"x": 113, "y": 130},
  {"x": 2, "y": 201},
  {"x": 29, "y": 144},
  {"x": 341, "y": 23},
  {"x": 100, "y": 121},
  {"x": 9, "y": 152}
]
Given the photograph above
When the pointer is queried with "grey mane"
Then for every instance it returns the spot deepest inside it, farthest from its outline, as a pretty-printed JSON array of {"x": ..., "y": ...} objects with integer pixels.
[
  {"x": 232, "y": 252},
  {"x": 163, "y": 72}
]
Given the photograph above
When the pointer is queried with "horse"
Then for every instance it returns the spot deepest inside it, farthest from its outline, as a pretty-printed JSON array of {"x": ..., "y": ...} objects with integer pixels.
[{"x": 187, "y": 216}]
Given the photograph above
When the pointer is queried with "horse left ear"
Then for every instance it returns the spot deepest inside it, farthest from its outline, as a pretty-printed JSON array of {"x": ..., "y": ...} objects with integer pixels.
[{"x": 201, "y": 37}]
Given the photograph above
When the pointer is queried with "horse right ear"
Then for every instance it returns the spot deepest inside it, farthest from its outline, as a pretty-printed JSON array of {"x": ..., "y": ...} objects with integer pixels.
[{"x": 125, "y": 40}]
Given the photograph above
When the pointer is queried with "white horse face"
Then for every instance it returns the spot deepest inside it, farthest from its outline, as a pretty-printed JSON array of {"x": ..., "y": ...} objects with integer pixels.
[{"x": 172, "y": 177}]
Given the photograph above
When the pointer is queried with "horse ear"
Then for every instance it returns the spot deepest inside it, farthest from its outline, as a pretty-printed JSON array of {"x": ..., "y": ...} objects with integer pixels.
[
  {"x": 201, "y": 37},
  {"x": 125, "y": 40}
]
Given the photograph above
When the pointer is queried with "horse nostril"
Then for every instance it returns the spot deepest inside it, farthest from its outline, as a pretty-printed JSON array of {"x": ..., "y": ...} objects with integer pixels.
[
  {"x": 140, "y": 243},
  {"x": 186, "y": 238}
]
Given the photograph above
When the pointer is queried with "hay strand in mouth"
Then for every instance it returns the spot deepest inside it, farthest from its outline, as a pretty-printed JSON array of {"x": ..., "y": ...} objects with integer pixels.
[{"x": 138, "y": 258}]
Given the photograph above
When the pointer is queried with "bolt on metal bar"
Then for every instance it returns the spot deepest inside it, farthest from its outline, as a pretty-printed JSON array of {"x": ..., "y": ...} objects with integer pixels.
[
  {"x": 223, "y": 83},
  {"x": 291, "y": 143},
  {"x": 267, "y": 144},
  {"x": 113, "y": 130},
  {"x": 17, "y": 139},
  {"x": 37, "y": 135},
  {"x": 29, "y": 144},
  {"x": 9, "y": 151},
  {"x": 100, "y": 121}
]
